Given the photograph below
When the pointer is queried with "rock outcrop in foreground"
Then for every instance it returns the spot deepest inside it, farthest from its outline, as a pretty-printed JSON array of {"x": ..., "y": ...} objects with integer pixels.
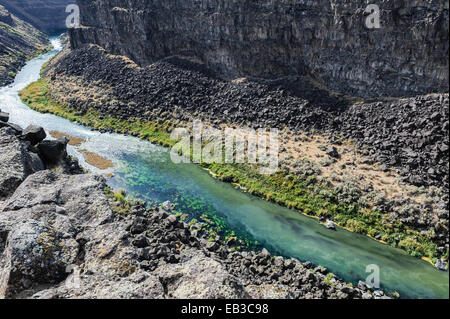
[
  {"x": 61, "y": 236},
  {"x": 25, "y": 151},
  {"x": 54, "y": 224}
]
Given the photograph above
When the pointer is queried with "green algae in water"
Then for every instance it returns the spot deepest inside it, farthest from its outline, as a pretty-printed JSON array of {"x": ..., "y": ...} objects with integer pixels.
[
  {"x": 282, "y": 231},
  {"x": 140, "y": 179}
]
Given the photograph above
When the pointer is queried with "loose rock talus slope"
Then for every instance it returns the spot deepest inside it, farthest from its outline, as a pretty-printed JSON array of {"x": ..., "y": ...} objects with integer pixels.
[{"x": 409, "y": 134}]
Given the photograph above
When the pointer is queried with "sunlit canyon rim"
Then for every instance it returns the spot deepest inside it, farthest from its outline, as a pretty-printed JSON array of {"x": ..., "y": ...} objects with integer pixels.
[{"x": 367, "y": 154}]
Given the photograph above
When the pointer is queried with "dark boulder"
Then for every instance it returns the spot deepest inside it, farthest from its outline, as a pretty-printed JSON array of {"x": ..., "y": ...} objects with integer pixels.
[
  {"x": 212, "y": 246},
  {"x": 17, "y": 129},
  {"x": 53, "y": 151},
  {"x": 333, "y": 152},
  {"x": 34, "y": 134},
  {"x": 4, "y": 117},
  {"x": 330, "y": 225},
  {"x": 141, "y": 241},
  {"x": 441, "y": 265}
]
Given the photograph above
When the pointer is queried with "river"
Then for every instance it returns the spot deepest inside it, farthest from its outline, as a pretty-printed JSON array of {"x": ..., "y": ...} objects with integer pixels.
[{"x": 145, "y": 170}]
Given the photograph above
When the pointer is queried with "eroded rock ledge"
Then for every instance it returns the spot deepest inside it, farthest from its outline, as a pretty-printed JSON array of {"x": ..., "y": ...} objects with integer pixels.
[{"x": 25, "y": 151}]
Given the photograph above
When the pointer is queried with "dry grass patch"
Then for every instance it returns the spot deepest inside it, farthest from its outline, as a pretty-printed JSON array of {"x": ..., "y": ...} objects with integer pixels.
[
  {"x": 96, "y": 160},
  {"x": 74, "y": 141}
]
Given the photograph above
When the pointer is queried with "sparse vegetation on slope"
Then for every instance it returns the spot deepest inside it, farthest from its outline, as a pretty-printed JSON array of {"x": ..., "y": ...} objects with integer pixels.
[{"x": 19, "y": 42}]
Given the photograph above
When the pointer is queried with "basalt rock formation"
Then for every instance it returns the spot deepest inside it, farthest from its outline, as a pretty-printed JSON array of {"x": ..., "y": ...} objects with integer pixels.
[
  {"x": 18, "y": 41},
  {"x": 326, "y": 39},
  {"x": 21, "y": 155},
  {"x": 45, "y": 15},
  {"x": 299, "y": 58}
]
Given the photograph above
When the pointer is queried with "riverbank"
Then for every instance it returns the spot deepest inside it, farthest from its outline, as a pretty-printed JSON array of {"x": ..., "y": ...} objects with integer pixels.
[
  {"x": 124, "y": 249},
  {"x": 307, "y": 196}
]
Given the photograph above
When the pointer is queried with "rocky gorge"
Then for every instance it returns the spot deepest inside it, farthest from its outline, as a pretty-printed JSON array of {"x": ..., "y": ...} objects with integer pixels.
[
  {"x": 363, "y": 147},
  {"x": 57, "y": 222},
  {"x": 181, "y": 90}
]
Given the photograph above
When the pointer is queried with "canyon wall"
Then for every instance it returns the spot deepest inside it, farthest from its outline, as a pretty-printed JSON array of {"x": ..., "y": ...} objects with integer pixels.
[
  {"x": 46, "y": 15},
  {"x": 325, "y": 39}
]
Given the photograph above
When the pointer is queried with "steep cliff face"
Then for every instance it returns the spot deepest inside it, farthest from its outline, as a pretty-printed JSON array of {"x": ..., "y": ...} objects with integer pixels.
[
  {"x": 325, "y": 38},
  {"x": 46, "y": 15},
  {"x": 18, "y": 41}
]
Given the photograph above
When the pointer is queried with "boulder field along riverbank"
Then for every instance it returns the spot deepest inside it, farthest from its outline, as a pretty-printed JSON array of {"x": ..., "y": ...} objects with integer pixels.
[
  {"x": 57, "y": 222},
  {"x": 390, "y": 157},
  {"x": 45, "y": 15},
  {"x": 406, "y": 133},
  {"x": 19, "y": 41}
]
